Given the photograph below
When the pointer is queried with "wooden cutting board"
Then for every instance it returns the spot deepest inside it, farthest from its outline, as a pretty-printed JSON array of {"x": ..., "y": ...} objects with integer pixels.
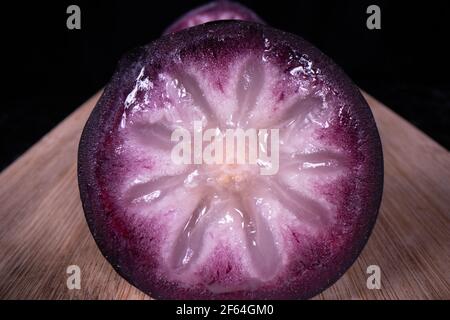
[{"x": 43, "y": 230}]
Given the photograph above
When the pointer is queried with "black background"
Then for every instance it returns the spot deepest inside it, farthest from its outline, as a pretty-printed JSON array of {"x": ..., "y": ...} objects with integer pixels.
[{"x": 49, "y": 70}]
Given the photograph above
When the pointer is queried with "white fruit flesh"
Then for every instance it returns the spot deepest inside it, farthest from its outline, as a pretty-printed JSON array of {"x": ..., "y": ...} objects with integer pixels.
[{"x": 230, "y": 205}]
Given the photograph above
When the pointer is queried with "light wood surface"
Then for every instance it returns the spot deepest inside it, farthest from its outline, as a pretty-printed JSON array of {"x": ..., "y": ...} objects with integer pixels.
[{"x": 43, "y": 230}]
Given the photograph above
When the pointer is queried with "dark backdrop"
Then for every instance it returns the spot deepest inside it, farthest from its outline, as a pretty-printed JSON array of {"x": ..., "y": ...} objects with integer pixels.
[{"x": 49, "y": 70}]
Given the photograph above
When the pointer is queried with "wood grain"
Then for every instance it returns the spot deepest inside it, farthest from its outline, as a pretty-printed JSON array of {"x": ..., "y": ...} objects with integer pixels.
[{"x": 43, "y": 231}]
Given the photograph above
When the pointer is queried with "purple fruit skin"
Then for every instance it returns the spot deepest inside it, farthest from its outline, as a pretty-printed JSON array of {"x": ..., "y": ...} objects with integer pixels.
[
  {"x": 213, "y": 10},
  {"x": 358, "y": 199}
]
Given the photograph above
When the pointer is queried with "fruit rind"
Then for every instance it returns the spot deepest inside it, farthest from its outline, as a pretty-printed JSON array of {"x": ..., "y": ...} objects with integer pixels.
[{"x": 213, "y": 11}]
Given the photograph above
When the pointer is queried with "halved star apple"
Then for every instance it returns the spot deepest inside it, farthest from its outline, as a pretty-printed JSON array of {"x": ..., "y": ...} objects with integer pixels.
[{"x": 224, "y": 230}]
